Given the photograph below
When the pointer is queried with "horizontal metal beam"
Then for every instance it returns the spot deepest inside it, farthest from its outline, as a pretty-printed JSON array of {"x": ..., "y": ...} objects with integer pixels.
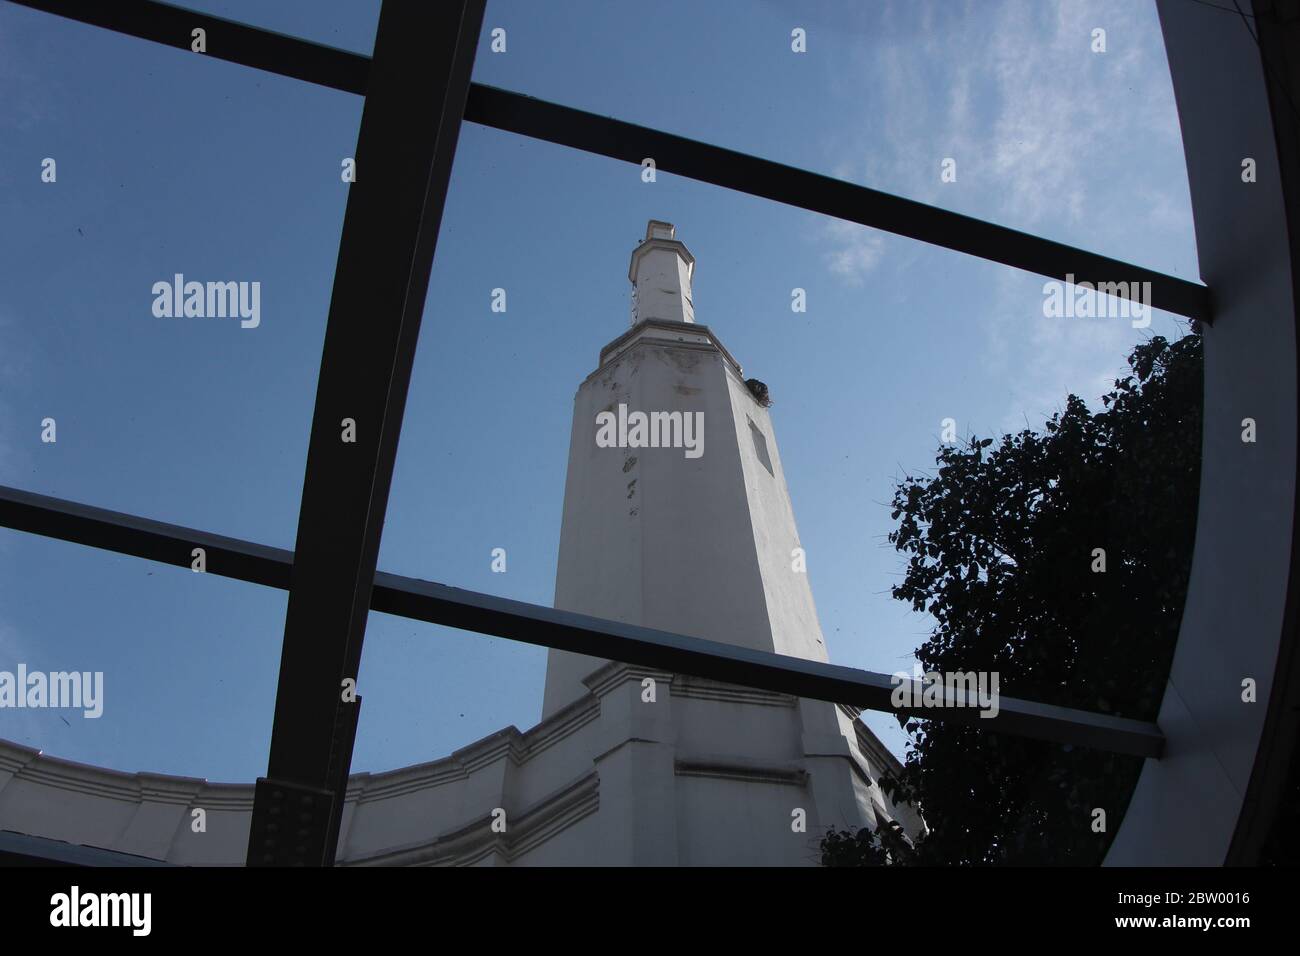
[
  {"x": 563, "y": 125},
  {"x": 225, "y": 39},
  {"x": 143, "y": 537},
  {"x": 678, "y": 653},
  {"x": 548, "y": 627}
]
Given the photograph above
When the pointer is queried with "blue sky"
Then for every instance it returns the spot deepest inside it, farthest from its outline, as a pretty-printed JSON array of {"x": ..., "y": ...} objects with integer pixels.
[{"x": 171, "y": 162}]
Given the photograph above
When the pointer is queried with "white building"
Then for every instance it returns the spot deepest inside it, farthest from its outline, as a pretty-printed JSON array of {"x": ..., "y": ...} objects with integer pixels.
[{"x": 680, "y": 521}]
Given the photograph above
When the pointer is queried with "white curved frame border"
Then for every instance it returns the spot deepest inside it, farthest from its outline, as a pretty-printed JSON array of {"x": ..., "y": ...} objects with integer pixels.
[{"x": 1201, "y": 803}]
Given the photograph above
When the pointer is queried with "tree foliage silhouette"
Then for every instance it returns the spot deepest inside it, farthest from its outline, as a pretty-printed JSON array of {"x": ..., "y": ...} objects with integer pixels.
[{"x": 1001, "y": 545}]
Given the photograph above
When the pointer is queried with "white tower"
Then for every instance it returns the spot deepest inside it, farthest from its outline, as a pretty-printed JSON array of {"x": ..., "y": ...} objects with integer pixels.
[
  {"x": 661, "y": 272},
  {"x": 700, "y": 541},
  {"x": 705, "y": 546}
]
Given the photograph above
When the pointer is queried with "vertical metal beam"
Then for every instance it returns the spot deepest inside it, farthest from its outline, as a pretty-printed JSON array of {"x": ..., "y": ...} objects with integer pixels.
[{"x": 419, "y": 80}]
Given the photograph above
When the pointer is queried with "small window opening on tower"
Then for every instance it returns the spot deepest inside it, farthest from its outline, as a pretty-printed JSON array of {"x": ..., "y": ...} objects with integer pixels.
[{"x": 760, "y": 446}]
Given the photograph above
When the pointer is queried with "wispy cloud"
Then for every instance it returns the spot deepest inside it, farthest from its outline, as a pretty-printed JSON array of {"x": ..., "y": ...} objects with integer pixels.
[
  {"x": 1049, "y": 137},
  {"x": 855, "y": 251}
]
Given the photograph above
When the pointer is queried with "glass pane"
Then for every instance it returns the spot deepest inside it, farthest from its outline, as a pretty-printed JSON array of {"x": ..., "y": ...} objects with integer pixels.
[
  {"x": 187, "y": 662},
  {"x": 428, "y": 691},
  {"x": 180, "y": 166}
]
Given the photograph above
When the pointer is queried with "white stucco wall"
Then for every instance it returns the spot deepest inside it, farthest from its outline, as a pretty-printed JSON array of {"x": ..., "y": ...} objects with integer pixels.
[
  {"x": 791, "y": 611},
  {"x": 695, "y": 546},
  {"x": 705, "y": 547},
  {"x": 650, "y": 536},
  {"x": 660, "y": 271},
  {"x": 610, "y": 780}
]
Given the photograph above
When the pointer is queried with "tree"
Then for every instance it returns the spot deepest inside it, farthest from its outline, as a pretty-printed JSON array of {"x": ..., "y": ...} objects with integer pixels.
[
  {"x": 867, "y": 847},
  {"x": 1006, "y": 547}
]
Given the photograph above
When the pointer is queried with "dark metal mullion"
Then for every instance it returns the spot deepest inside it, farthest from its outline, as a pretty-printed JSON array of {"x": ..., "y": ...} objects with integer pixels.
[
  {"x": 419, "y": 79},
  {"x": 548, "y": 627}
]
